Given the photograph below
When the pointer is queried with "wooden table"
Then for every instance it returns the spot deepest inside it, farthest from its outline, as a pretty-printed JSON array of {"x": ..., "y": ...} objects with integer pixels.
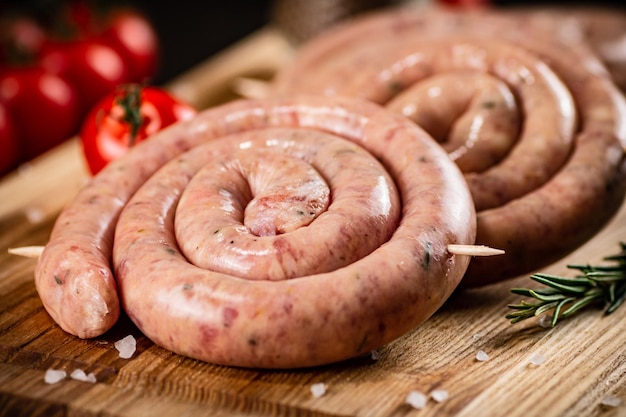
[{"x": 585, "y": 356}]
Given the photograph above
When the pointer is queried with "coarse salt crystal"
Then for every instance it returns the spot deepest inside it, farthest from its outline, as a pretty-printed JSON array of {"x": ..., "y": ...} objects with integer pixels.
[
  {"x": 537, "y": 359},
  {"x": 34, "y": 215},
  {"x": 611, "y": 401},
  {"x": 80, "y": 375},
  {"x": 318, "y": 389},
  {"x": 416, "y": 400},
  {"x": 375, "y": 355},
  {"x": 439, "y": 395},
  {"x": 482, "y": 356},
  {"x": 545, "y": 321},
  {"x": 126, "y": 346},
  {"x": 477, "y": 336},
  {"x": 53, "y": 376}
]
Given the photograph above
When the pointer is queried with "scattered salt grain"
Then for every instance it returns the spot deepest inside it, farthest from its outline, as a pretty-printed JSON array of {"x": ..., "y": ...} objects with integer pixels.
[
  {"x": 80, "y": 375},
  {"x": 545, "y": 321},
  {"x": 439, "y": 395},
  {"x": 482, "y": 356},
  {"x": 126, "y": 346},
  {"x": 477, "y": 336},
  {"x": 34, "y": 215},
  {"x": 318, "y": 389},
  {"x": 53, "y": 376},
  {"x": 611, "y": 401},
  {"x": 537, "y": 359},
  {"x": 416, "y": 400},
  {"x": 375, "y": 355}
]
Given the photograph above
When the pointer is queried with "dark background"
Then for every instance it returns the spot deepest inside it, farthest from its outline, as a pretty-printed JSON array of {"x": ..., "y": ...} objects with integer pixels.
[{"x": 190, "y": 31}]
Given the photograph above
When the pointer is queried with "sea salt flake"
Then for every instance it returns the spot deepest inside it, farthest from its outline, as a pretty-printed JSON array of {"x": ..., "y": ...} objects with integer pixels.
[
  {"x": 611, "y": 401},
  {"x": 416, "y": 400},
  {"x": 34, "y": 215},
  {"x": 318, "y": 389},
  {"x": 537, "y": 359},
  {"x": 545, "y": 321},
  {"x": 375, "y": 355},
  {"x": 482, "y": 356},
  {"x": 126, "y": 346},
  {"x": 80, "y": 375},
  {"x": 439, "y": 395},
  {"x": 53, "y": 376}
]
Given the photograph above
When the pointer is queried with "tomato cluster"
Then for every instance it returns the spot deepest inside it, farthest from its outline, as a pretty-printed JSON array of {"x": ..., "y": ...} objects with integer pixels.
[{"x": 55, "y": 66}]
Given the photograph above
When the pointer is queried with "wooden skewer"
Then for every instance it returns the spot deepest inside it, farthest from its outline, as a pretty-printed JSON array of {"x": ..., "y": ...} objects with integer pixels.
[
  {"x": 469, "y": 250},
  {"x": 474, "y": 250},
  {"x": 251, "y": 87},
  {"x": 27, "y": 251}
]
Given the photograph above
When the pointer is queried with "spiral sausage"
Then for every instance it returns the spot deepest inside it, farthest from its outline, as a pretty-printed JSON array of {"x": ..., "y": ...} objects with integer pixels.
[
  {"x": 340, "y": 163},
  {"x": 549, "y": 188}
]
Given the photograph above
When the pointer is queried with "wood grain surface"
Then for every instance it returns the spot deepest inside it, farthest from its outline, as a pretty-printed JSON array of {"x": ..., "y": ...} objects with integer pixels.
[{"x": 585, "y": 356}]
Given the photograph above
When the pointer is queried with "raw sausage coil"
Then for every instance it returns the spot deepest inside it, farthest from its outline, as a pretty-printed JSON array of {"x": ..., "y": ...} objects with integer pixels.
[
  {"x": 317, "y": 228},
  {"x": 537, "y": 126}
]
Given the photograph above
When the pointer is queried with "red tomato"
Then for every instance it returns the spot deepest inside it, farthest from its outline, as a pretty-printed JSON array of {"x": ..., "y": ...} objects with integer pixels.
[
  {"x": 132, "y": 35},
  {"x": 21, "y": 37},
  {"x": 9, "y": 154},
  {"x": 107, "y": 131},
  {"x": 126, "y": 29},
  {"x": 44, "y": 108},
  {"x": 92, "y": 66}
]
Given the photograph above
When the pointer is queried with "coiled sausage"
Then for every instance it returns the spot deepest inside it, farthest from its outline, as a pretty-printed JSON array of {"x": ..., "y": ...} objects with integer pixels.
[
  {"x": 546, "y": 116},
  {"x": 252, "y": 306}
]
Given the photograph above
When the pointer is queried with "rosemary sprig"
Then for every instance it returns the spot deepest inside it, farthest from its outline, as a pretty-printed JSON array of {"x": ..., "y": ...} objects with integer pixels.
[{"x": 599, "y": 284}]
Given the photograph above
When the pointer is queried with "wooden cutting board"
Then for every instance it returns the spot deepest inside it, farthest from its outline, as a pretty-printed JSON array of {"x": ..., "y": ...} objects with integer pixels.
[{"x": 585, "y": 357}]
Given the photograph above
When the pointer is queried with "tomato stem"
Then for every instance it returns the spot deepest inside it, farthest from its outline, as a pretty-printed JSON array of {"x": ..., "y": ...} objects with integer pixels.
[{"x": 130, "y": 101}]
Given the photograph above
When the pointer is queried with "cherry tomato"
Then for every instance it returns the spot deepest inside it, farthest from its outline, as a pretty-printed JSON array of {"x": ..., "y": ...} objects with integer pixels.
[
  {"x": 43, "y": 106},
  {"x": 9, "y": 154},
  {"x": 21, "y": 38},
  {"x": 129, "y": 115},
  {"x": 92, "y": 66},
  {"x": 132, "y": 35},
  {"x": 124, "y": 28}
]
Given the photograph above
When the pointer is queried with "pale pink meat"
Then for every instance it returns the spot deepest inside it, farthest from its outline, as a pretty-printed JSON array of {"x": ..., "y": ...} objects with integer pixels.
[
  {"x": 550, "y": 188},
  {"x": 414, "y": 203}
]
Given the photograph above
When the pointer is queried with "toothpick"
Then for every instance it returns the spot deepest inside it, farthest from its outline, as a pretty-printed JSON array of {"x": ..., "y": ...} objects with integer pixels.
[
  {"x": 469, "y": 250},
  {"x": 474, "y": 250},
  {"x": 27, "y": 251},
  {"x": 251, "y": 88}
]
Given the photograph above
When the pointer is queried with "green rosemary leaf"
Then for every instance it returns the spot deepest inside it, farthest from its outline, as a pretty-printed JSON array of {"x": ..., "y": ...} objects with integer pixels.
[
  {"x": 530, "y": 292},
  {"x": 521, "y": 291},
  {"x": 580, "y": 304},
  {"x": 606, "y": 276},
  {"x": 551, "y": 282},
  {"x": 519, "y": 316},
  {"x": 518, "y": 307},
  {"x": 589, "y": 268},
  {"x": 611, "y": 293},
  {"x": 547, "y": 297},
  {"x": 575, "y": 281},
  {"x": 546, "y": 307},
  {"x": 546, "y": 291},
  {"x": 620, "y": 297},
  {"x": 558, "y": 308},
  {"x": 567, "y": 296}
]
